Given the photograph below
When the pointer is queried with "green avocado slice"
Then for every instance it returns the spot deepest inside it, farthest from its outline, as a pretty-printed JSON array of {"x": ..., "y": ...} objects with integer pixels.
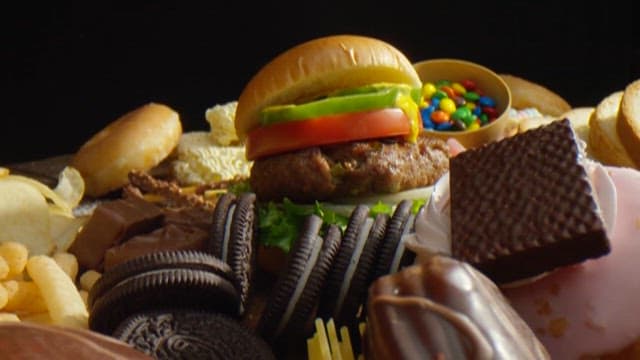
[{"x": 371, "y": 97}]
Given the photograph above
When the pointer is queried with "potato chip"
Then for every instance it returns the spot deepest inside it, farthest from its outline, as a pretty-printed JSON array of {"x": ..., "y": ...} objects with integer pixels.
[
  {"x": 24, "y": 216},
  {"x": 7, "y": 317},
  {"x": 59, "y": 292},
  {"x": 15, "y": 254},
  {"x": 64, "y": 229},
  {"x": 55, "y": 201},
  {"x": 24, "y": 297},
  {"x": 70, "y": 186},
  {"x": 84, "y": 294},
  {"x": 88, "y": 278}
]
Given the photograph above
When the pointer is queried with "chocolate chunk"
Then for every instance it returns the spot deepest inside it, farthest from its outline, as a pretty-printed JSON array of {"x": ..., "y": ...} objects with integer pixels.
[
  {"x": 166, "y": 238},
  {"x": 112, "y": 223},
  {"x": 183, "y": 334},
  {"x": 444, "y": 309},
  {"x": 524, "y": 206}
]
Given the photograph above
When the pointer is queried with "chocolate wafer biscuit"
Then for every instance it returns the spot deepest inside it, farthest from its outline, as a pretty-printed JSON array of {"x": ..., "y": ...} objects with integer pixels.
[
  {"x": 524, "y": 205},
  {"x": 180, "y": 334}
]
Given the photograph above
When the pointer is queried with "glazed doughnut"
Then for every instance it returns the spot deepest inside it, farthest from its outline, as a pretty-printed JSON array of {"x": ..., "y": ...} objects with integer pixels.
[
  {"x": 526, "y": 94},
  {"x": 138, "y": 140}
]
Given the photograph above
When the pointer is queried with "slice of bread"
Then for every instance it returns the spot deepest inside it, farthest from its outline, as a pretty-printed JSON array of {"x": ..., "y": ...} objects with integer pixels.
[
  {"x": 579, "y": 118},
  {"x": 604, "y": 141},
  {"x": 527, "y": 94},
  {"x": 628, "y": 124}
]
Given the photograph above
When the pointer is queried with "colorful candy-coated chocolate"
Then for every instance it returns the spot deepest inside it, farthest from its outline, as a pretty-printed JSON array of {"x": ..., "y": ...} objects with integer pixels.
[
  {"x": 428, "y": 89},
  {"x": 439, "y": 117},
  {"x": 468, "y": 84},
  {"x": 486, "y": 101},
  {"x": 447, "y": 105},
  {"x": 458, "y": 88}
]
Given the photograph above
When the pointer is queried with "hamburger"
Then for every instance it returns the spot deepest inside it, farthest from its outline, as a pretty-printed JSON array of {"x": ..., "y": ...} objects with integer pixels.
[{"x": 337, "y": 118}]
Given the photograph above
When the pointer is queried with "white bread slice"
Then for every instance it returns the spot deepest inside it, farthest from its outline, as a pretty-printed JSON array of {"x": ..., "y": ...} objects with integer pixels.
[
  {"x": 604, "y": 141},
  {"x": 628, "y": 124},
  {"x": 579, "y": 118}
]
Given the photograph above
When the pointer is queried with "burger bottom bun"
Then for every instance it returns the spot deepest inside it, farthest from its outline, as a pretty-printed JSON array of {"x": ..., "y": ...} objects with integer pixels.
[
  {"x": 138, "y": 140},
  {"x": 526, "y": 94}
]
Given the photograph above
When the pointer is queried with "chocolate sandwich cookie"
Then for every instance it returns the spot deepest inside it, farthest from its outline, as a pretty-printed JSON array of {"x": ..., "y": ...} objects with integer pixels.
[
  {"x": 296, "y": 292},
  {"x": 183, "y": 334},
  {"x": 187, "y": 283},
  {"x": 523, "y": 206},
  {"x": 156, "y": 261},
  {"x": 234, "y": 238},
  {"x": 352, "y": 269},
  {"x": 393, "y": 255}
]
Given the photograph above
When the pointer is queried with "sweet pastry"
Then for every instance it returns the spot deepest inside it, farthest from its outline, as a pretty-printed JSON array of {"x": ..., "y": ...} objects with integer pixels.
[
  {"x": 589, "y": 310},
  {"x": 139, "y": 140},
  {"x": 444, "y": 308}
]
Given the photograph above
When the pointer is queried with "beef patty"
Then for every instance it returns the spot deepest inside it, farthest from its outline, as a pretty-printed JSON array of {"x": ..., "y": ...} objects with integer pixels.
[{"x": 353, "y": 169}]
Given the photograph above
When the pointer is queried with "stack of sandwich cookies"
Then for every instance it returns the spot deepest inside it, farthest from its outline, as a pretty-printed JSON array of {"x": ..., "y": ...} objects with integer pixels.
[
  {"x": 187, "y": 334},
  {"x": 524, "y": 206},
  {"x": 234, "y": 238},
  {"x": 352, "y": 270},
  {"x": 295, "y": 294},
  {"x": 166, "y": 280},
  {"x": 393, "y": 255}
]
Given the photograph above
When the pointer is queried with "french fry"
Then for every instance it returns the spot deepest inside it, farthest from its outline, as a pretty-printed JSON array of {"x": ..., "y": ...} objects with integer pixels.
[
  {"x": 59, "y": 292},
  {"x": 88, "y": 278},
  {"x": 15, "y": 254},
  {"x": 9, "y": 317},
  {"x": 68, "y": 263},
  {"x": 4, "y": 268},
  {"x": 24, "y": 297}
]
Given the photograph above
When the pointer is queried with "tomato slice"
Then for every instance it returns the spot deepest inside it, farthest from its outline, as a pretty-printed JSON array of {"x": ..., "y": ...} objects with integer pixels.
[{"x": 325, "y": 130}]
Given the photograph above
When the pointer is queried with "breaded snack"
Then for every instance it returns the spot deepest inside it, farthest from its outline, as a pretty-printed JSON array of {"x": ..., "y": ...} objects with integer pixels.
[
  {"x": 628, "y": 122},
  {"x": 604, "y": 141},
  {"x": 527, "y": 94},
  {"x": 138, "y": 140}
]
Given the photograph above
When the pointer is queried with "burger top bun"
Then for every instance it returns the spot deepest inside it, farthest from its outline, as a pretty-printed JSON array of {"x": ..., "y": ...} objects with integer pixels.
[
  {"x": 138, "y": 140},
  {"x": 317, "y": 67}
]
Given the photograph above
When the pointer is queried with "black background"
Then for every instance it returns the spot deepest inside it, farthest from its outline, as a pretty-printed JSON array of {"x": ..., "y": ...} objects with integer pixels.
[{"x": 69, "y": 69}]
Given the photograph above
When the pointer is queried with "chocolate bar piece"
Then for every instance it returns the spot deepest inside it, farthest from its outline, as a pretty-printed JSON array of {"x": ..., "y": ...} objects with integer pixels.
[
  {"x": 524, "y": 206},
  {"x": 111, "y": 223},
  {"x": 444, "y": 309}
]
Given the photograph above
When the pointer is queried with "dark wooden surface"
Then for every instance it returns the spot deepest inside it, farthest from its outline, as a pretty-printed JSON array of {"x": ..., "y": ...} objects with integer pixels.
[{"x": 69, "y": 68}]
